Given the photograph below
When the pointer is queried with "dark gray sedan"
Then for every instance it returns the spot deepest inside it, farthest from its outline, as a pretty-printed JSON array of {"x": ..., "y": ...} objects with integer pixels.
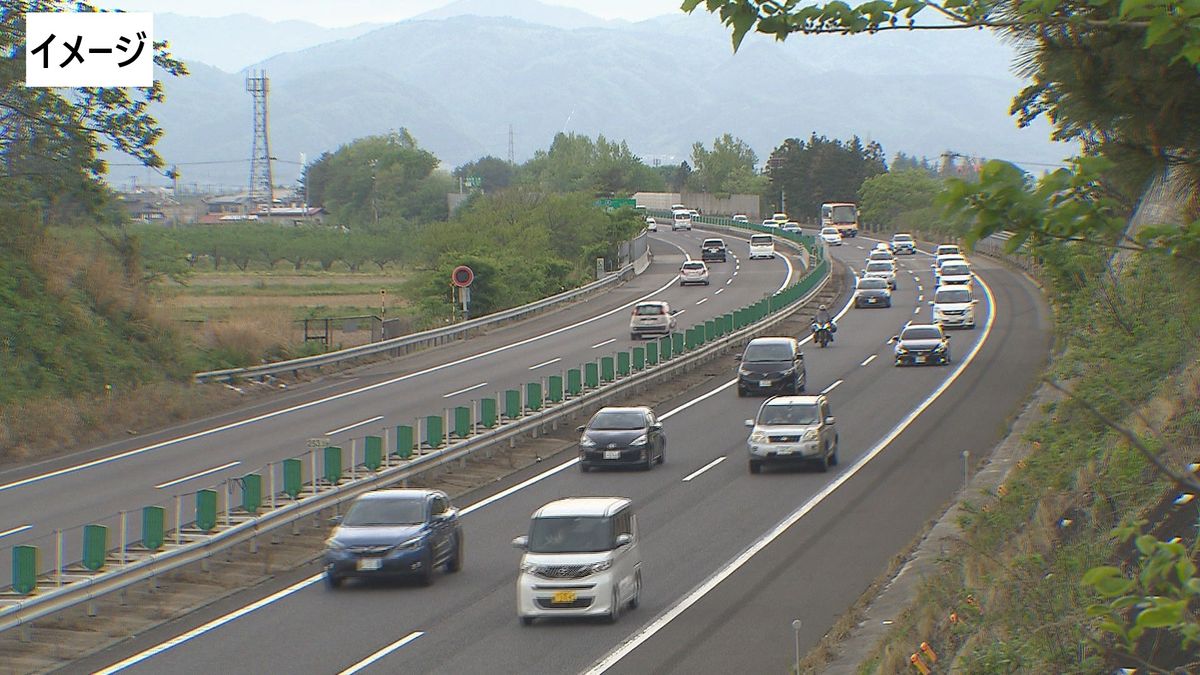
[
  {"x": 622, "y": 437},
  {"x": 872, "y": 292}
]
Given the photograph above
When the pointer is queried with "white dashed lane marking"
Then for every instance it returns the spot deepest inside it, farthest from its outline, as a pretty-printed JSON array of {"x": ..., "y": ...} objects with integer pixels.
[{"x": 869, "y": 359}]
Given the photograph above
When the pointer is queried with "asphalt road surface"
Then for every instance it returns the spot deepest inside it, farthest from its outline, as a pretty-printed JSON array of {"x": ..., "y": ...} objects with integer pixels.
[{"x": 730, "y": 558}]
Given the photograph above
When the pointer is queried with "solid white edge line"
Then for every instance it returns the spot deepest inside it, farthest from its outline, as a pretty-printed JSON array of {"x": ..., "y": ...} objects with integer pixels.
[
  {"x": 868, "y": 359},
  {"x": 382, "y": 652},
  {"x": 673, "y": 612},
  {"x": 354, "y": 426},
  {"x": 831, "y": 387},
  {"x": 601, "y": 344},
  {"x": 316, "y": 402},
  {"x": 15, "y": 530},
  {"x": 545, "y": 363},
  {"x": 463, "y": 391},
  {"x": 205, "y": 472},
  {"x": 704, "y": 468}
]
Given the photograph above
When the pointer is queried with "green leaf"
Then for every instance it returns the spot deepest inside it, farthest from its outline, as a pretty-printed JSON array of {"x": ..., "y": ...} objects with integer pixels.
[
  {"x": 1162, "y": 29},
  {"x": 1133, "y": 8},
  {"x": 1097, "y": 574},
  {"x": 1145, "y": 543},
  {"x": 1162, "y": 615}
]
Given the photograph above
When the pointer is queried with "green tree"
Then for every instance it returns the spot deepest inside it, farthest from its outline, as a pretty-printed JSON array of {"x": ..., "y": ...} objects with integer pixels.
[
  {"x": 885, "y": 197},
  {"x": 809, "y": 173},
  {"x": 493, "y": 172},
  {"x": 577, "y": 164},
  {"x": 726, "y": 169},
  {"x": 380, "y": 179}
]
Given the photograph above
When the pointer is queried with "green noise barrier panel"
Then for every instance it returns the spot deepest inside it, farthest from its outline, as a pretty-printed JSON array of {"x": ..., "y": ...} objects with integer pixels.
[
  {"x": 206, "y": 510},
  {"x": 333, "y": 464},
  {"x": 677, "y": 343},
  {"x": 462, "y": 421},
  {"x": 639, "y": 359},
  {"x": 591, "y": 375},
  {"x": 24, "y": 569},
  {"x": 574, "y": 381},
  {"x": 665, "y": 347},
  {"x": 292, "y": 481},
  {"x": 608, "y": 370},
  {"x": 405, "y": 441},
  {"x": 252, "y": 493},
  {"x": 533, "y": 395},
  {"x": 512, "y": 403},
  {"x": 488, "y": 412},
  {"x": 373, "y": 452},
  {"x": 433, "y": 431},
  {"x": 652, "y": 353},
  {"x": 554, "y": 384},
  {"x": 154, "y": 519},
  {"x": 622, "y": 364},
  {"x": 95, "y": 546}
]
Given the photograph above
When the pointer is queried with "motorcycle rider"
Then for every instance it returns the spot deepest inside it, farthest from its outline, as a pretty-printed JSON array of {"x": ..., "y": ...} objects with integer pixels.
[{"x": 822, "y": 318}]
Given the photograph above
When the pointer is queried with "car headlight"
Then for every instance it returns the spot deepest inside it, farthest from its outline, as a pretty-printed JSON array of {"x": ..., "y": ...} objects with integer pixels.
[
  {"x": 601, "y": 566},
  {"x": 940, "y": 348},
  {"x": 334, "y": 545},
  {"x": 408, "y": 545},
  {"x": 528, "y": 568},
  {"x": 585, "y": 442},
  {"x": 743, "y": 372},
  {"x": 810, "y": 435},
  {"x": 789, "y": 372},
  {"x": 758, "y": 437},
  {"x": 901, "y": 350},
  {"x": 640, "y": 440}
]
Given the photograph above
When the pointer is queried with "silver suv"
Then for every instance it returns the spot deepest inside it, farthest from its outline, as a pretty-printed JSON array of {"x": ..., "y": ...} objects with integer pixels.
[
  {"x": 793, "y": 430},
  {"x": 651, "y": 318}
]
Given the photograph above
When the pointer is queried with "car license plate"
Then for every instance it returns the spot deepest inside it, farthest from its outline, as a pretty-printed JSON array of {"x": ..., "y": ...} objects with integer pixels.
[
  {"x": 920, "y": 359},
  {"x": 871, "y": 300},
  {"x": 612, "y": 454},
  {"x": 369, "y": 564},
  {"x": 563, "y": 597},
  {"x": 764, "y": 383},
  {"x": 786, "y": 450}
]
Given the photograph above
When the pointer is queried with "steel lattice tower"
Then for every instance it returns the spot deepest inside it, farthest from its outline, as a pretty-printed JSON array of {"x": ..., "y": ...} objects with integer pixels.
[
  {"x": 510, "y": 145},
  {"x": 261, "y": 190}
]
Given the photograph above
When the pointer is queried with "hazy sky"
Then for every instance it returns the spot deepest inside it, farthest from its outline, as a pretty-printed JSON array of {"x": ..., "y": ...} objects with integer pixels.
[{"x": 347, "y": 12}]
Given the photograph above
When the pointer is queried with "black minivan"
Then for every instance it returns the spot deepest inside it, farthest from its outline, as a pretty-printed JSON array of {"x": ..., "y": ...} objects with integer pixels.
[{"x": 771, "y": 365}]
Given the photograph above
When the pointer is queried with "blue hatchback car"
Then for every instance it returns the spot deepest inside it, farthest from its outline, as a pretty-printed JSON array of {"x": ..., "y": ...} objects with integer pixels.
[{"x": 395, "y": 533}]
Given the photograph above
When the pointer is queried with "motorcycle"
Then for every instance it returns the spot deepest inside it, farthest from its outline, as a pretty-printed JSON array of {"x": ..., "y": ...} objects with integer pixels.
[{"x": 823, "y": 333}]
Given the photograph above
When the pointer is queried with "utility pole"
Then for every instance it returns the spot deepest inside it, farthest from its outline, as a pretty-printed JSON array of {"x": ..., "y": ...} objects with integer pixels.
[
  {"x": 261, "y": 183},
  {"x": 511, "y": 154}
]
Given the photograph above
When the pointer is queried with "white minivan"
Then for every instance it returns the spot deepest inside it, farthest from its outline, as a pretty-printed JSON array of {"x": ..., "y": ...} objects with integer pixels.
[
  {"x": 762, "y": 246},
  {"x": 581, "y": 559},
  {"x": 681, "y": 219}
]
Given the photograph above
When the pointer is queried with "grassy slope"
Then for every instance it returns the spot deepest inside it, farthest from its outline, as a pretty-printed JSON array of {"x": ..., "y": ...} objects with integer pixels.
[{"x": 1015, "y": 579}]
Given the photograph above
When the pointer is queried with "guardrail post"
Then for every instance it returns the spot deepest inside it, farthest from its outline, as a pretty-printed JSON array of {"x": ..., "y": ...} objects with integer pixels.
[
  {"x": 24, "y": 569},
  {"x": 446, "y": 426},
  {"x": 312, "y": 460},
  {"x": 153, "y": 523},
  {"x": 373, "y": 452},
  {"x": 293, "y": 482},
  {"x": 206, "y": 510},
  {"x": 124, "y": 533},
  {"x": 271, "y": 484},
  {"x": 591, "y": 375},
  {"x": 555, "y": 387},
  {"x": 58, "y": 558},
  {"x": 462, "y": 421},
  {"x": 574, "y": 382},
  {"x": 608, "y": 371},
  {"x": 433, "y": 431},
  {"x": 487, "y": 412},
  {"x": 639, "y": 358},
  {"x": 512, "y": 403},
  {"x": 228, "y": 506},
  {"x": 333, "y": 465},
  {"x": 353, "y": 458},
  {"x": 533, "y": 396},
  {"x": 404, "y": 441},
  {"x": 623, "y": 364},
  {"x": 178, "y": 519},
  {"x": 252, "y": 493}
]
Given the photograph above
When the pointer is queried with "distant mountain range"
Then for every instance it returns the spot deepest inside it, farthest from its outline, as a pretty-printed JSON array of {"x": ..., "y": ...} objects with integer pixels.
[{"x": 458, "y": 80}]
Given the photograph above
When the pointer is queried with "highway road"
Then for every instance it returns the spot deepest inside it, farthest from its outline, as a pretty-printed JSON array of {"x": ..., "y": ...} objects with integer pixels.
[
  {"x": 730, "y": 558},
  {"x": 96, "y": 485}
]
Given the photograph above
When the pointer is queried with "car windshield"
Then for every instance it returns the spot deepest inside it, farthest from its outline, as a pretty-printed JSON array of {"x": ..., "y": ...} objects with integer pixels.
[
  {"x": 790, "y": 414},
  {"x": 902, "y": 238},
  {"x": 713, "y": 242},
  {"x": 693, "y": 267},
  {"x": 405, "y": 511},
  {"x": 649, "y": 310},
  {"x": 844, "y": 214},
  {"x": 761, "y": 240},
  {"x": 923, "y": 333},
  {"x": 767, "y": 353},
  {"x": 945, "y": 250},
  {"x": 880, "y": 255},
  {"x": 570, "y": 535},
  {"x": 872, "y": 284},
  {"x": 879, "y": 266},
  {"x": 618, "y": 420},
  {"x": 829, "y": 230},
  {"x": 953, "y": 295},
  {"x": 955, "y": 270}
]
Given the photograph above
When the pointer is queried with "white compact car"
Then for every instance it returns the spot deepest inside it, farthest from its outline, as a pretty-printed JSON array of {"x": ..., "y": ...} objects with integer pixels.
[
  {"x": 651, "y": 224},
  {"x": 762, "y": 246},
  {"x": 581, "y": 558},
  {"x": 954, "y": 274},
  {"x": 953, "y": 307},
  {"x": 882, "y": 269},
  {"x": 831, "y": 236},
  {"x": 693, "y": 272}
]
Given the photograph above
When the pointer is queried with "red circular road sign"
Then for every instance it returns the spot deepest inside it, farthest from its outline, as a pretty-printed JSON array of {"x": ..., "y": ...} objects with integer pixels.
[{"x": 462, "y": 276}]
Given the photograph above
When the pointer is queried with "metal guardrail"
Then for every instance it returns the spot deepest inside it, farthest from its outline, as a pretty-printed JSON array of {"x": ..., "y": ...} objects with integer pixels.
[
  {"x": 134, "y": 566},
  {"x": 434, "y": 336}
]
